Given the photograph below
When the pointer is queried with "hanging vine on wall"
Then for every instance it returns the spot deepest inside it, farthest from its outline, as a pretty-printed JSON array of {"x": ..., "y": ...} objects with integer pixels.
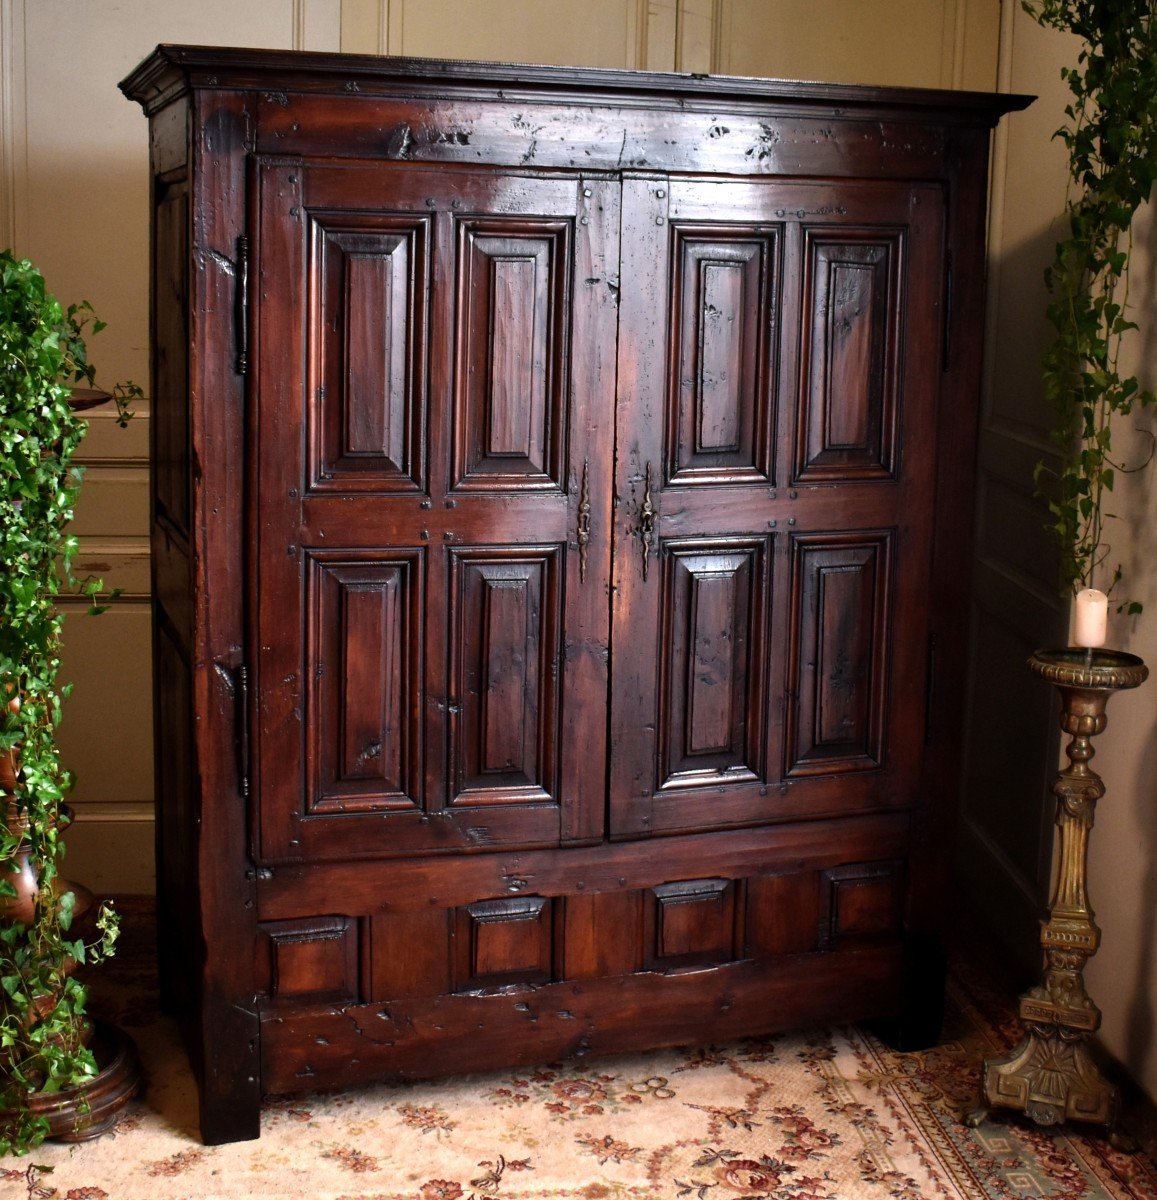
[{"x": 1111, "y": 138}]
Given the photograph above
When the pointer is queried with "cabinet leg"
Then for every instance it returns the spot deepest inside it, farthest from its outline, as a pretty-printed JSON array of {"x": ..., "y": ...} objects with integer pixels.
[
  {"x": 229, "y": 1073},
  {"x": 917, "y": 1025},
  {"x": 228, "y": 1121}
]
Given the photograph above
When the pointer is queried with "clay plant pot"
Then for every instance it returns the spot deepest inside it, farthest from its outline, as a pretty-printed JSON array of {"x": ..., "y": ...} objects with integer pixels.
[{"x": 79, "y": 1114}]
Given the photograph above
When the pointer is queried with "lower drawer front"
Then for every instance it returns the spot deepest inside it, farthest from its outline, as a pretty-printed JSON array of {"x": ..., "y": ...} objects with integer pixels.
[{"x": 434, "y": 973}]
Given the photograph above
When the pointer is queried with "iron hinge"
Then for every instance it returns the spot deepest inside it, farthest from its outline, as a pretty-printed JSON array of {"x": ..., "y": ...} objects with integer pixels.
[
  {"x": 241, "y": 306},
  {"x": 243, "y": 728}
]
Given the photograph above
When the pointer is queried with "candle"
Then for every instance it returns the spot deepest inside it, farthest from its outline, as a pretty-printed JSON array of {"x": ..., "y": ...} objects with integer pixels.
[{"x": 1090, "y": 618}]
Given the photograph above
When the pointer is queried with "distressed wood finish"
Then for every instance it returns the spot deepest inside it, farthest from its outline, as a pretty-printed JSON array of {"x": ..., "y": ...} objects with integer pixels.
[{"x": 589, "y": 480}]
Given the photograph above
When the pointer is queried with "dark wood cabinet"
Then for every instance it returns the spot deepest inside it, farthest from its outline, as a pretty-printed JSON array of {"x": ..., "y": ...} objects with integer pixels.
[{"x": 561, "y": 497}]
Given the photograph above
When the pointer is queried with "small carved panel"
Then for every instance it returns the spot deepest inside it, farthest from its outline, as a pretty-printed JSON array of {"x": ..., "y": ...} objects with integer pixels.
[
  {"x": 783, "y": 914},
  {"x": 852, "y": 310},
  {"x": 505, "y": 626},
  {"x": 692, "y": 923},
  {"x": 724, "y": 330},
  {"x": 312, "y": 959},
  {"x": 841, "y": 600},
  {"x": 863, "y": 901},
  {"x": 714, "y": 604},
  {"x": 503, "y": 942},
  {"x": 368, "y": 333},
  {"x": 364, "y": 685},
  {"x": 511, "y": 382}
]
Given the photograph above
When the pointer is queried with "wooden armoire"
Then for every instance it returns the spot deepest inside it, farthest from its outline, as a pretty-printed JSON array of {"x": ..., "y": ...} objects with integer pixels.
[{"x": 561, "y": 508}]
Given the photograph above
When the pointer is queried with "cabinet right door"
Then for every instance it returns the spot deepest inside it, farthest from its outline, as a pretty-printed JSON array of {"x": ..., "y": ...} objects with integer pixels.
[{"x": 780, "y": 355}]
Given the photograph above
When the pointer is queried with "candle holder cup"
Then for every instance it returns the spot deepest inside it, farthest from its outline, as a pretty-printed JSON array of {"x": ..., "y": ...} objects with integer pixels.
[{"x": 1051, "y": 1076}]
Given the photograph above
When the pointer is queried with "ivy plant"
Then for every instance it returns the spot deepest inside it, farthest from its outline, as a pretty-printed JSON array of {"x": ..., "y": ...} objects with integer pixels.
[
  {"x": 1111, "y": 137},
  {"x": 42, "y": 1005}
]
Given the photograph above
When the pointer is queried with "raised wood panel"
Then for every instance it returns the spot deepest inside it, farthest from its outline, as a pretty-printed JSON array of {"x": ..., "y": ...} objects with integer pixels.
[
  {"x": 724, "y": 333},
  {"x": 783, "y": 914},
  {"x": 312, "y": 959},
  {"x": 506, "y": 622},
  {"x": 692, "y": 922},
  {"x": 511, "y": 375},
  {"x": 852, "y": 313},
  {"x": 842, "y": 588},
  {"x": 714, "y": 611},
  {"x": 369, "y": 333},
  {"x": 863, "y": 901},
  {"x": 170, "y": 410},
  {"x": 364, "y": 680},
  {"x": 503, "y": 942}
]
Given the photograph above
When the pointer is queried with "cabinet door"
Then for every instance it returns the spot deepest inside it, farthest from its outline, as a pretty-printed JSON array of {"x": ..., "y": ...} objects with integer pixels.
[
  {"x": 432, "y": 403},
  {"x": 779, "y": 365}
]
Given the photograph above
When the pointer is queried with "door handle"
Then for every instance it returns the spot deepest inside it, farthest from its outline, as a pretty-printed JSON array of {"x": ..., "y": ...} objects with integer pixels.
[
  {"x": 584, "y": 520},
  {"x": 647, "y": 522}
]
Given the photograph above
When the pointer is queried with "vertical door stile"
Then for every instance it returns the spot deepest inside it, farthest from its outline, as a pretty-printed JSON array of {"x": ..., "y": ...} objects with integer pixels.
[
  {"x": 594, "y": 334},
  {"x": 437, "y": 649},
  {"x": 642, "y": 352},
  {"x": 276, "y": 381}
]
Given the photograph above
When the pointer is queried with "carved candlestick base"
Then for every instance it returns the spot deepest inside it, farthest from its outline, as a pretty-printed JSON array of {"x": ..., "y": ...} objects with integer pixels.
[{"x": 1050, "y": 1076}]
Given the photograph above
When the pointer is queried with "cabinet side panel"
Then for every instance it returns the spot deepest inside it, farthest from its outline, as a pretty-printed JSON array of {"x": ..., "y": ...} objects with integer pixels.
[{"x": 172, "y": 618}]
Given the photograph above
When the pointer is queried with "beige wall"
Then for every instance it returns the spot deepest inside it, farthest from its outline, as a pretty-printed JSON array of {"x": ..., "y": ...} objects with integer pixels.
[
  {"x": 947, "y": 44},
  {"x": 927, "y": 43},
  {"x": 1123, "y": 848}
]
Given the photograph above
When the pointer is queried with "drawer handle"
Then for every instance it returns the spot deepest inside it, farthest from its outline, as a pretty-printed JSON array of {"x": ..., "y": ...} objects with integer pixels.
[
  {"x": 584, "y": 520},
  {"x": 647, "y": 522}
]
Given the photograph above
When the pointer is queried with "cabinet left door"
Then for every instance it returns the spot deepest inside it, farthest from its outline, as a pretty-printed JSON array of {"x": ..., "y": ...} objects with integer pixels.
[{"x": 431, "y": 423}]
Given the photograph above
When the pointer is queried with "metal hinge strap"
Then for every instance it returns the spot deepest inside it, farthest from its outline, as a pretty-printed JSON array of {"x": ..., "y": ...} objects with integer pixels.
[
  {"x": 241, "y": 306},
  {"x": 243, "y": 728}
]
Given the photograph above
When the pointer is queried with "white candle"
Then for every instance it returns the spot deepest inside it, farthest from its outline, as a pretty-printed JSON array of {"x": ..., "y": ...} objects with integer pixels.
[{"x": 1090, "y": 618}]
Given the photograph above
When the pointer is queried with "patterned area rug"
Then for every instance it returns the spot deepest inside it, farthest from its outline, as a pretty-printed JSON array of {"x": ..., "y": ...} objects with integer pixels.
[{"x": 822, "y": 1114}]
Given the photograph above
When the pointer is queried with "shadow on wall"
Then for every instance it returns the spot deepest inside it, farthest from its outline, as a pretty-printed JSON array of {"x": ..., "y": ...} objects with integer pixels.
[
  {"x": 1012, "y": 728},
  {"x": 1142, "y": 1010},
  {"x": 1141, "y": 1019}
]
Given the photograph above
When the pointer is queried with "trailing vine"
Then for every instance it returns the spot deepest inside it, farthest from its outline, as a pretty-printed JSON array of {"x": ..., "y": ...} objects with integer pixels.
[
  {"x": 42, "y": 350},
  {"x": 1111, "y": 138}
]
